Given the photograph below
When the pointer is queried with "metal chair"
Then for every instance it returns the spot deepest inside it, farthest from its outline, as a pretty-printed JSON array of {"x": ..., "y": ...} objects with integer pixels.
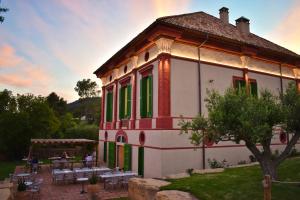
[{"x": 69, "y": 177}]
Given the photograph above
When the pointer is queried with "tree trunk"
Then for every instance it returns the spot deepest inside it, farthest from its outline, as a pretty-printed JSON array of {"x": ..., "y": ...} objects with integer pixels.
[{"x": 269, "y": 168}]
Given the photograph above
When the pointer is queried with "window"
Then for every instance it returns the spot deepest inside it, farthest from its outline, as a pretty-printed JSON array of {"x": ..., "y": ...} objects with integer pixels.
[
  {"x": 125, "y": 102},
  {"x": 240, "y": 84},
  {"x": 146, "y": 97},
  {"x": 109, "y": 106}
]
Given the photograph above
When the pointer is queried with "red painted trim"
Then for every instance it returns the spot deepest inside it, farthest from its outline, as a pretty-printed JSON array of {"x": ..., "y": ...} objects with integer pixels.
[
  {"x": 145, "y": 123},
  {"x": 134, "y": 84},
  {"x": 124, "y": 123},
  {"x": 146, "y": 71},
  {"x": 115, "y": 108},
  {"x": 125, "y": 81},
  {"x": 164, "y": 91},
  {"x": 164, "y": 122},
  {"x": 110, "y": 87},
  {"x": 108, "y": 126},
  {"x": 230, "y": 67},
  {"x": 102, "y": 107},
  {"x": 196, "y": 147}
]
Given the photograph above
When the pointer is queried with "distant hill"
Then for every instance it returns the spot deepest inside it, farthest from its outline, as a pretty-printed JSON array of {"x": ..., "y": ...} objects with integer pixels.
[{"x": 89, "y": 108}]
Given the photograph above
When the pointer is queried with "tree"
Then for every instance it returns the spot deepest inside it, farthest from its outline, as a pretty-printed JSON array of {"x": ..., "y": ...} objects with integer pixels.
[
  {"x": 2, "y": 10},
  {"x": 58, "y": 104},
  {"x": 237, "y": 116},
  {"x": 86, "y": 88}
]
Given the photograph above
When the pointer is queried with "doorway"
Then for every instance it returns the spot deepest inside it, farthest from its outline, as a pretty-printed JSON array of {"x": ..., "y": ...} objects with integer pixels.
[{"x": 120, "y": 163}]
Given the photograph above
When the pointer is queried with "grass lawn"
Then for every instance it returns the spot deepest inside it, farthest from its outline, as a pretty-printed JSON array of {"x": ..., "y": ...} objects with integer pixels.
[
  {"x": 7, "y": 167},
  {"x": 241, "y": 183}
]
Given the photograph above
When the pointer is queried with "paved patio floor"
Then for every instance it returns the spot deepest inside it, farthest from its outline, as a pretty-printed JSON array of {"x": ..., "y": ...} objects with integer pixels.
[{"x": 69, "y": 191}]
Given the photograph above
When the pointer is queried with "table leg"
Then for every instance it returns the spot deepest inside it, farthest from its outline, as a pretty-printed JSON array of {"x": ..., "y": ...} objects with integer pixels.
[{"x": 82, "y": 189}]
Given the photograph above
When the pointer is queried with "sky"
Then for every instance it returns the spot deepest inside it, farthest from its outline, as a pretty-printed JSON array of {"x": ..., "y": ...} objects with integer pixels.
[{"x": 48, "y": 45}]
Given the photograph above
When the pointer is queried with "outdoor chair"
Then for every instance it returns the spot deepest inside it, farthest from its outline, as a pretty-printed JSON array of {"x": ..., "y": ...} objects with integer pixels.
[
  {"x": 69, "y": 177},
  {"x": 56, "y": 164},
  {"x": 88, "y": 174},
  {"x": 58, "y": 178},
  {"x": 79, "y": 175},
  {"x": 124, "y": 181},
  {"x": 35, "y": 188},
  {"x": 13, "y": 178},
  {"x": 112, "y": 182}
]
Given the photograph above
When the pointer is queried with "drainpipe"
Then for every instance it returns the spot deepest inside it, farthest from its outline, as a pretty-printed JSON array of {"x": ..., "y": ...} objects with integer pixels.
[
  {"x": 200, "y": 96},
  {"x": 281, "y": 96}
]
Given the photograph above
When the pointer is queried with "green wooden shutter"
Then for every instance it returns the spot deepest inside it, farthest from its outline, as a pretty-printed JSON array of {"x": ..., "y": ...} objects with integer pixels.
[
  {"x": 111, "y": 154},
  {"x": 128, "y": 114},
  {"x": 150, "y": 82},
  {"x": 105, "y": 151},
  {"x": 121, "y": 103},
  {"x": 127, "y": 157},
  {"x": 141, "y": 161},
  {"x": 141, "y": 99},
  {"x": 253, "y": 89},
  {"x": 107, "y": 106}
]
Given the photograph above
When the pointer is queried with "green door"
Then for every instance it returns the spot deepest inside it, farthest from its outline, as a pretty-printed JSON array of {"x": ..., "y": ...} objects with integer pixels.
[
  {"x": 141, "y": 161},
  {"x": 127, "y": 157},
  {"x": 105, "y": 151},
  {"x": 111, "y": 154}
]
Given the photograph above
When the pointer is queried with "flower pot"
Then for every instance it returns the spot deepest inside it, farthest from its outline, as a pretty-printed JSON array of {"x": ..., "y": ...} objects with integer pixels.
[{"x": 92, "y": 190}]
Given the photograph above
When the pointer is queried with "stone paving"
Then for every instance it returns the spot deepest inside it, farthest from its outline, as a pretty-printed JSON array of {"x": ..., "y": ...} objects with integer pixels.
[{"x": 69, "y": 191}]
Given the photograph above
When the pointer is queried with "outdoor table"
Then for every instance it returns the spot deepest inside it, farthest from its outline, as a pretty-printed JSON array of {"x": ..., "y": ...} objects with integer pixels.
[
  {"x": 82, "y": 180},
  {"x": 118, "y": 175},
  {"x": 65, "y": 171},
  {"x": 28, "y": 183},
  {"x": 22, "y": 176},
  {"x": 95, "y": 169}
]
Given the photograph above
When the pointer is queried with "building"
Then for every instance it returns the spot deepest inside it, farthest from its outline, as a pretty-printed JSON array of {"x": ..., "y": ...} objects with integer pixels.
[{"x": 164, "y": 72}]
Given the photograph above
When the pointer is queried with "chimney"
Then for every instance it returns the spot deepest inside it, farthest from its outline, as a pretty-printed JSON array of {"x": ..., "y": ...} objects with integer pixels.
[
  {"x": 243, "y": 25},
  {"x": 224, "y": 15}
]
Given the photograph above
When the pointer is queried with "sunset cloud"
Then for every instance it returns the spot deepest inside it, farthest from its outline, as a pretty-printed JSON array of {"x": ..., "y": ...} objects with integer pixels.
[
  {"x": 287, "y": 32},
  {"x": 15, "y": 80},
  {"x": 8, "y": 57}
]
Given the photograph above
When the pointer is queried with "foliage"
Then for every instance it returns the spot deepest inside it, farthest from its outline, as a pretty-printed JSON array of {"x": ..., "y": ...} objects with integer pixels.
[
  {"x": 3, "y": 10},
  {"x": 58, "y": 104},
  {"x": 242, "y": 162},
  {"x": 82, "y": 130},
  {"x": 240, "y": 183},
  {"x": 93, "y": 180},
  {"x": 7, "y": 167},
  {"x": 23, "y": 117},
  {"x": 86, "y": 88},
  {"x": 190, "y": 171},
  {"x": 238, "y": 116},
  {"x": 216, "y": 164}
]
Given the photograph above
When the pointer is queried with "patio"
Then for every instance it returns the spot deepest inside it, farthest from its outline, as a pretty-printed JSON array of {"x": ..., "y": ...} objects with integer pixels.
[{"x": 68, "y": 191}]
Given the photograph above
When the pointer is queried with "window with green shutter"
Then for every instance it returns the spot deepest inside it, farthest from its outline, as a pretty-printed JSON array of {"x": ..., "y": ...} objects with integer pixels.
[
  {"x": 146, "y": 97},
  {"x": 109, "y": 106},
  {"x": 253, "y": 88},
  {"x": 127, "y": 157},
  {"x": 125, "y": 102},
  {"x": 111, "y": 154},
  {"x": 240, "y": 85}
]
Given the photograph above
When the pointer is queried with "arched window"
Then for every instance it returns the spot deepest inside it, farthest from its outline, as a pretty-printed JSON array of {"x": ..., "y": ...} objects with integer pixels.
[{"x": 121, "y": 137}]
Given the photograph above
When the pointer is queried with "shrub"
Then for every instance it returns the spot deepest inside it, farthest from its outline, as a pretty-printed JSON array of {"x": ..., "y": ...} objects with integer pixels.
[
  {"x": 190, "y": 171},
  {"x": 93, "y": 180},
  {"x": 21, "y": 186},
  {"x": 216, "y": 164},
  {"x": 242, "y": 162},
  {"x": 252, "y": 158}
]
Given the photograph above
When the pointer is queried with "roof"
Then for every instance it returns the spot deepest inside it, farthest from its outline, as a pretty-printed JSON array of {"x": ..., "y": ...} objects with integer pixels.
[
  {"x": 205, "y": 23},
  {"x": 62, "y": 141}
]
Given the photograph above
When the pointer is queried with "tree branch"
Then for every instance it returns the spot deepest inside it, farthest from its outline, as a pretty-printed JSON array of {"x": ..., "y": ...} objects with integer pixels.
[
  {"x": 252, "y": 147},
  {"x": 288, "y": 148}
]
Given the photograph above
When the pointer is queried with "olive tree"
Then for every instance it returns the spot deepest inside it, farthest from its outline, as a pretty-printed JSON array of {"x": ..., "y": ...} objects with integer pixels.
[{"x": 238, "y": 116}]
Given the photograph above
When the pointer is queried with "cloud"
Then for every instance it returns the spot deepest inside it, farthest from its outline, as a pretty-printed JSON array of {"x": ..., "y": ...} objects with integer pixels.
[
  {"x": 21, "y": 72},
  {"x": 15, "y": 80},
  {"x": 287, "y": 32},
  {"x": 8, "y": 57},
  {"x": 169, "y": 7}
]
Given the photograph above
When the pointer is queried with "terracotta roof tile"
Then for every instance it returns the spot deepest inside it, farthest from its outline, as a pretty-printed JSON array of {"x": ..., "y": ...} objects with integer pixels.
[{"x": 203, "y": 22}]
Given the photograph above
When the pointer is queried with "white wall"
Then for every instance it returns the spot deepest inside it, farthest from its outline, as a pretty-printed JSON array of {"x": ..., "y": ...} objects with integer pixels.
[
  {"x": 184, "y": 88},
  {"x": 270, "y": 83},
  {"x": 218, "y": 78}
]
